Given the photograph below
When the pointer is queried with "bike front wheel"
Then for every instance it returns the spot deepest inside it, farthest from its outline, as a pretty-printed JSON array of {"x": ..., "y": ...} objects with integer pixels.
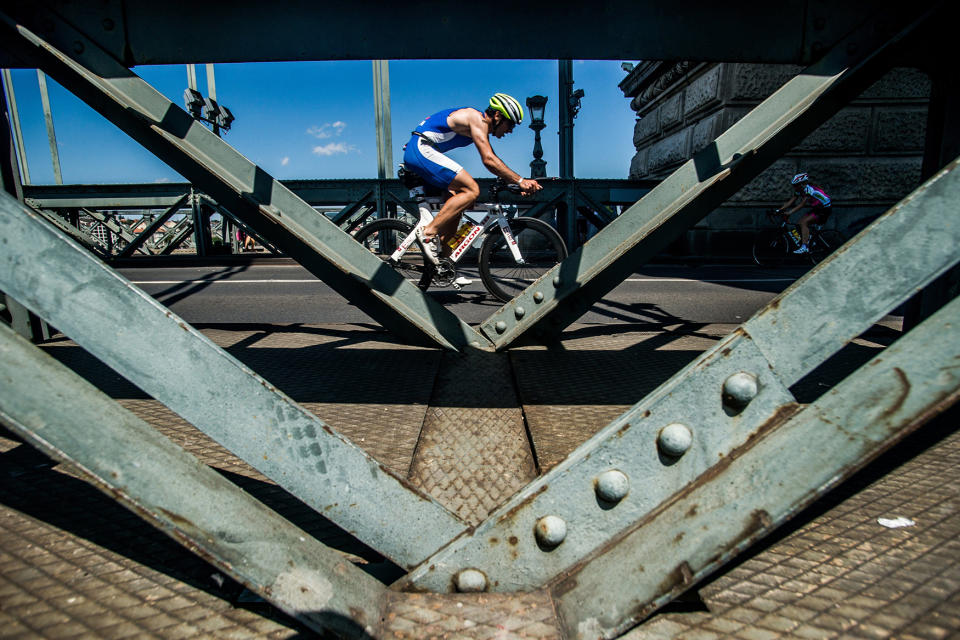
[
  {"x": 383, "y": 236},
  {"x": 770, "y": 248},
  {"x": 541, "y": 248}
]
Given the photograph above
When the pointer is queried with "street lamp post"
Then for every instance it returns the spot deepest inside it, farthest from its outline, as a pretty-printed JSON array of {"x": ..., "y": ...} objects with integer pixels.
[{"x": 537, "y": 106}]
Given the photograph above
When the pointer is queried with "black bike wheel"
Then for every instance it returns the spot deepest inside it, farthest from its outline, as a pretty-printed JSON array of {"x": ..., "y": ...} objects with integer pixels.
[
  {"x": 825, "y": 243},
  {"x": 383, "y": 236},
  {"x": 770, "y": 248},
  {"x": 541, "y": 247}
]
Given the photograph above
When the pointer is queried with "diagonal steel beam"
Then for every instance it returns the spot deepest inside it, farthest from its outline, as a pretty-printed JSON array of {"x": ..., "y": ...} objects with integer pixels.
[
  {"x": 71, "y": 421},
  {"x": 160, "y": 353},
  {"x": 765, "y": 482},
  {"x": 114, "y": 226},
  {"x": 242, "y": 187},
  {"x": 566, "y": 292},
  {"x": 79, "y": 235},
  {"x": 728, "y": 396},
  {"x": 152, "y": 228}
]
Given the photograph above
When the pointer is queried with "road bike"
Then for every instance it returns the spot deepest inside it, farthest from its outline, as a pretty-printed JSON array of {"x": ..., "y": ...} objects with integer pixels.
[
  {"x": 513, "y": 251},
  {"x": 773, "y": 247}
]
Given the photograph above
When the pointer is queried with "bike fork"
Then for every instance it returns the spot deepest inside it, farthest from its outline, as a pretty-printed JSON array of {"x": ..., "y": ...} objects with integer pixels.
[{"x": 511, "y": 239}]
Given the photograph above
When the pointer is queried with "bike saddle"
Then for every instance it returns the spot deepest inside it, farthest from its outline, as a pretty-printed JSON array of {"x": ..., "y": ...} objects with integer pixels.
[{"x": 411, "y": 180}]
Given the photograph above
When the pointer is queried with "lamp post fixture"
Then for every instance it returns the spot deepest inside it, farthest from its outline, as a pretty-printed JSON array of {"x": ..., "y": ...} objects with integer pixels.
[{"x": 537, "y": 106}]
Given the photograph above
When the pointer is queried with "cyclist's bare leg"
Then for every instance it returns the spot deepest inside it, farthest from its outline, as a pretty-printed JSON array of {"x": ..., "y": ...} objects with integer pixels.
[
  {"x": 464, "y": 191},
  {"x": 805, "y": 226}
]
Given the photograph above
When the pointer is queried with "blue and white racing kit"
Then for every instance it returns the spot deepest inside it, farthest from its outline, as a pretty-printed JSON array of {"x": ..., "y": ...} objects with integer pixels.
[{"x": 424, "y": 153}]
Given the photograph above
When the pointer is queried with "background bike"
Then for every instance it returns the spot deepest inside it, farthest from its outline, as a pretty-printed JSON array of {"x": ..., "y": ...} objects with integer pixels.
[
  {"x": 773, "y": 247},
  {"x": 512, "y": 251}
]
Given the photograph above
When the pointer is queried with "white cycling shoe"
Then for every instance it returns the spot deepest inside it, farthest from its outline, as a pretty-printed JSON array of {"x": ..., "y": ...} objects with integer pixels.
[
  {"x": 431, "y": 247},
  {"x": 462, "y": 282},
  {"x": 802, "y": 249}
]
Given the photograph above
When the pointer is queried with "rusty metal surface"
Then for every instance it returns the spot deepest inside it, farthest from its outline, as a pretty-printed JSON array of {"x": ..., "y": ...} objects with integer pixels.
[
  {"x": 73, "y": 562},
  {"x": 473, "y": 452},
  {"x": 630, "y": 445},
  {"x": 483, "y": 616},
  {"x": 842, "y": 574},
  {"x": 797, "y": 457}
]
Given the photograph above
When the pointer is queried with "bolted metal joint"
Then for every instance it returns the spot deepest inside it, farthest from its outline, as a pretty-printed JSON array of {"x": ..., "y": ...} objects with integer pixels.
[
  {"x": 550, "y": 531},
  {"x": 739, "y": 389},
  {"x": 674, "y": 440},
  {"x": 612, "y": 486},
  {"x": 471, "y": 581}
]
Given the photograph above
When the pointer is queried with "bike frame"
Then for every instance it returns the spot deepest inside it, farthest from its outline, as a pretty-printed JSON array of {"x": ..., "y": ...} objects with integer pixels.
[{"x": 494, "y": 214}]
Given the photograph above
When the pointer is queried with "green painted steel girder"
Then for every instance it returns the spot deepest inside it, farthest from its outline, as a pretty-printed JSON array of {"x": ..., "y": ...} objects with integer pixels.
[
  {"x": 67, "y": 418},
  {"x": 154, "y": 349},
  {"x": 714, "y": 174},
  {"x": 239, "y": 185},
  {"x": 179, "y": 31}
]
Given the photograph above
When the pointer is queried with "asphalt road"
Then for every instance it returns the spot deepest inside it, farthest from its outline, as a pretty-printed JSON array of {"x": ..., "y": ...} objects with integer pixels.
[{"x": 284, "y": 292}]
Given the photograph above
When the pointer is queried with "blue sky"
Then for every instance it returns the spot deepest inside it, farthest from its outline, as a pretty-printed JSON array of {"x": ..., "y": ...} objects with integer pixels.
[{"x": 315, "y": 120}]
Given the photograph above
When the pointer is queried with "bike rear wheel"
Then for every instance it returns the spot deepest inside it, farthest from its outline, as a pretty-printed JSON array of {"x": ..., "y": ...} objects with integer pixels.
[
  {"x": 540, "y": 246},
  {"x": 825, "y": 243},
  {"x": 770, "y": 248},
  {"x": 383, "y": 236}
]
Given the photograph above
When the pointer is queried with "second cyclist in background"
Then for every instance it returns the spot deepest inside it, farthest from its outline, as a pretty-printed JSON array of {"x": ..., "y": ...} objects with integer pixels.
[
  {"x": 449, "y": 129},
  {"x": 806, "y": 194}
]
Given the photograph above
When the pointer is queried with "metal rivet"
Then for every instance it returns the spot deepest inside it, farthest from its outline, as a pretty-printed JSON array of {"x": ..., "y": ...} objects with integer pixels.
[
  {"x": 107, "y": 24},
  {"x": 612, "y": 486},
  {"x": 675, "y": 439},
  {"x": 519, "y": 311},
  {"x": 739, "y": 389},
  {"x": 538, "y": 297},
  {"x": 500, "y": 326},
  {"x": 471, "y": 581},
  {"x": 77, "y": 46},
  {"x": 550, "y": 531},
  {"x": 556, "y": 281}
]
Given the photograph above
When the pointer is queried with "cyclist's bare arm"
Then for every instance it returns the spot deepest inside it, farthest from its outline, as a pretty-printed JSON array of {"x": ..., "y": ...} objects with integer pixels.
[
  {"x": 797, "y": 203},
  {"x": 470, "y": 122}
]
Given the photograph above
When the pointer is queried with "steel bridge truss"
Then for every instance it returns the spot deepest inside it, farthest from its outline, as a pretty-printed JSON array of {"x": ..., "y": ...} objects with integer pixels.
[{"x": 721, "y": 451}]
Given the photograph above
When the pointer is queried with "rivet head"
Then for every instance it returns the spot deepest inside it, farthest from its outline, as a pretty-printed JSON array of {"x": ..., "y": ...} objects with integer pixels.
[
  {"x": 500, "y": 326},
  {"x": 612, "y": 486},
  {"x": 556, "y": 281},
  {"x": 550, "y": 531},
  {"x": 538, "y": 297},
  {"x": 675, "y": 439},
  {"x": 471, "y": 581},
  {"x": 519, "y": 312},
  {"x": 739, "y": 389},
  {"x": 108, "y": 24},
  {"x": 78, "y": 47}
]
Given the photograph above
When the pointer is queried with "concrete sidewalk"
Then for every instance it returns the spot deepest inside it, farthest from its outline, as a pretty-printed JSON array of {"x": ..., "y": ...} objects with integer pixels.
[{"x": 472, "y": 430}]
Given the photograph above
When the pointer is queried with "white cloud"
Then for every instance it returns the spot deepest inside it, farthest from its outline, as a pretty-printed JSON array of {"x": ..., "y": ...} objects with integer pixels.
[
  {"x": 328, "y": 130},
  {"x": 331, "y": 149},
  {"x": 285, "y": 161}
]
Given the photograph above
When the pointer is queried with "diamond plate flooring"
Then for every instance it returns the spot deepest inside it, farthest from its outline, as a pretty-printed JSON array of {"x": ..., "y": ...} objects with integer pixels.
[
  {"x": 473, "y": 452},
  {"x": 74, "y": 564}
]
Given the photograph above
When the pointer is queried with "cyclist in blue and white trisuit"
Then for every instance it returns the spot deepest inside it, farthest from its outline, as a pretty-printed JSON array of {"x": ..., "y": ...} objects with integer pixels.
[
  {"x": 806, "y": 194},
  {"x": 449, "y": 129}
]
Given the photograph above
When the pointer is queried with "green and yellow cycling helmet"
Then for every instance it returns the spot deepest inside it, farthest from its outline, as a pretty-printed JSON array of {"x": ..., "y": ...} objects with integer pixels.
[{"x": 508, "y": 107}]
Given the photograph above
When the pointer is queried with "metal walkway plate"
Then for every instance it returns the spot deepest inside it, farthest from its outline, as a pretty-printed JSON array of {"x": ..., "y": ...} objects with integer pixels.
[{"x": 473, "y": 452}]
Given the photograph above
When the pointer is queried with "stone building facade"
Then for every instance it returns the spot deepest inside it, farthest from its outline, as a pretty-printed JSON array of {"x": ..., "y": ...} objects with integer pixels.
[{"x": 866, "y": 157}]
